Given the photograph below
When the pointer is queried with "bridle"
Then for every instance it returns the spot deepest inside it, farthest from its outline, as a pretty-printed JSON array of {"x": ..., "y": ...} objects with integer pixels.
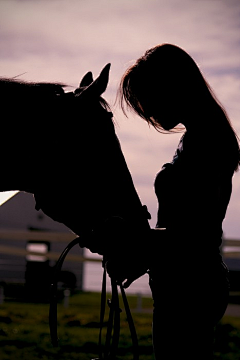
[{"x": 109, "y": 350}]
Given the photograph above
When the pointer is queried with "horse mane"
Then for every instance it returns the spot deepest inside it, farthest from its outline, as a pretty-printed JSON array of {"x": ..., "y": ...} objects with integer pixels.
[
  {"x": 39, "y": 90},
  {"x": 20, "y": 89}
]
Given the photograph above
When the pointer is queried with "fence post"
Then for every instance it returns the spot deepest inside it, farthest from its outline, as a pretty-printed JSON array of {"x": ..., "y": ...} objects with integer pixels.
[
  {"x": 1, "y": 294},
  {"x": 139, "y": 302},
  {"x": 66, "y": 298}
]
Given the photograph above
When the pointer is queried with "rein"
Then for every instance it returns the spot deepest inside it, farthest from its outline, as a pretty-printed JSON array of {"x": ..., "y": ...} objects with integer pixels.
[
  {"x": 53, "y": 293},
  {"x": 109, "y": 350}
]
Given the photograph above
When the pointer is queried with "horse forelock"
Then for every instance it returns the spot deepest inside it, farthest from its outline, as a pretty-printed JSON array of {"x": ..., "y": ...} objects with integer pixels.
[{"x": 79, "y": 91}]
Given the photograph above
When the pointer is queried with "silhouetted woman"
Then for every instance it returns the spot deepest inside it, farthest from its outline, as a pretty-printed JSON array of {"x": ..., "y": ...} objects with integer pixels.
[{"x": 188, "y": 278}]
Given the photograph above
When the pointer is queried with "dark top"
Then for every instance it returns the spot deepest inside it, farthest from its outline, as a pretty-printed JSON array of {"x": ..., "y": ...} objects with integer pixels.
[{"x": 193, "y": 192}]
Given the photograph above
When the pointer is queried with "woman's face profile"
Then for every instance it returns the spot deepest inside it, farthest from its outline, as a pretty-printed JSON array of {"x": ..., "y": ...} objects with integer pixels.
[{"x": 164, "y": 108}]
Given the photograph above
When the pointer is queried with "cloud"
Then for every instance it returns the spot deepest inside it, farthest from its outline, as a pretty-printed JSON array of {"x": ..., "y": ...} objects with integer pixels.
[{"x": 90, "y": 33}]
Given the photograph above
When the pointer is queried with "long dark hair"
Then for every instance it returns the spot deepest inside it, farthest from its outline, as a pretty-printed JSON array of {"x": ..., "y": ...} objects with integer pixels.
[{"x": 169, "y": 69}]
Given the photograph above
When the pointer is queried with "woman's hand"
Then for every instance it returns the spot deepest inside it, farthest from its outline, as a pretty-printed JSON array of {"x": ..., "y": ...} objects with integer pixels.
[
  {"x": 128, "y": 264},
  {"x": 127, "y": 268}
]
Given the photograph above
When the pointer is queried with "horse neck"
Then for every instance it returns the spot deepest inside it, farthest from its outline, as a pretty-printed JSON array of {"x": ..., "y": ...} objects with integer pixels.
[
  {"x": 18, "y": 161},
  {"x": 121, "y": 197}
]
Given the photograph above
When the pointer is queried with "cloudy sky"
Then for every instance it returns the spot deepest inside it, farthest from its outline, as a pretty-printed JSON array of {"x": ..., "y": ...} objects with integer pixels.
[{"x": 60, "y": 40}]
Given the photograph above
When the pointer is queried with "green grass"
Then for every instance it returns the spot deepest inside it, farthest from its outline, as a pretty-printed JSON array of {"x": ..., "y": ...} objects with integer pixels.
[
  {"x": 24, "y": 332},
  {"x": 227, "y": 343}
]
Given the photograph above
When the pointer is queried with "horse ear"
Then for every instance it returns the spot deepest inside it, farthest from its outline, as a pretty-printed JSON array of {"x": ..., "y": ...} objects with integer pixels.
[
  {"x": 99, "y": 85},
  {"x": 86, "y": 80}
]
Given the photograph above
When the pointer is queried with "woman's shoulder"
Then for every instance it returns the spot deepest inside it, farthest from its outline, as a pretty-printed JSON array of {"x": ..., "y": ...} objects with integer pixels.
[{"x": 218, "y": 148}]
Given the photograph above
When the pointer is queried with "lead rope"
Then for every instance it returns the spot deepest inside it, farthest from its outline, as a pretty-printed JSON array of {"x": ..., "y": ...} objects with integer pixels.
[
  {"x": 113, "y": 328},
  {"x": 131, "y": 324},
  {"x": 110, "y": 349}
]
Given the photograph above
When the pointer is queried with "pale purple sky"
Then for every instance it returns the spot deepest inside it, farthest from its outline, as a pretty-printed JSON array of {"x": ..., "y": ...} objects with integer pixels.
[{"x": 60, "y": 40}]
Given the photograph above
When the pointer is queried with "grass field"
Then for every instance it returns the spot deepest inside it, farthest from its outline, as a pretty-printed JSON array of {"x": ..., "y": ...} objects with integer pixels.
[{"x": 24, "y": 332}]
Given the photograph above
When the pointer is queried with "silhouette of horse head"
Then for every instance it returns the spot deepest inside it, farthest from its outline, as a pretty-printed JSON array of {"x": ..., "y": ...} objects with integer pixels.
[{"x": 62, "y": 147}]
